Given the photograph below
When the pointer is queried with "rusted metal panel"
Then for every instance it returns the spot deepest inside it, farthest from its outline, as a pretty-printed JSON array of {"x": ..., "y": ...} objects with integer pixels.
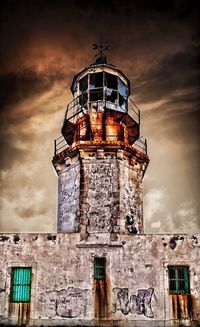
[
  {"x": 182, "y": 306},
  {"x": 68, "y": 131},
  {"x": 101, "y": 298},
  {"x": 96, "y": 120},
  {"x": 20, "y": 311},
  {"x": 112, "y": 129}
]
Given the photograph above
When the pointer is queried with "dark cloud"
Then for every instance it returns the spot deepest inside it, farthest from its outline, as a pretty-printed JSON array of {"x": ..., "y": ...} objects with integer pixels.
[
  {"x": 74, "y": 24},
  {"x": 9, "y": 152},
  {"x": 173, "y": 73},
  {"x": 44, "y": 43},
  {"x": 18, "y": 86}
]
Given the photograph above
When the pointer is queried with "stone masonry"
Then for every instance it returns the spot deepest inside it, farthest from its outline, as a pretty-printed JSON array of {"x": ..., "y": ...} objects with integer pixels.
[
  {"x": 104, "y": 189},
  {"x": 63, "y": 283}
]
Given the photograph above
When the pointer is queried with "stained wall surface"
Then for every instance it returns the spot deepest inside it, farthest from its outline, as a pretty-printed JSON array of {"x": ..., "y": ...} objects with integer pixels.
[
  {"x": 100, "y": 192},
  {"x": 134, "y": 293},
  {"x": 68, "y": 196}
]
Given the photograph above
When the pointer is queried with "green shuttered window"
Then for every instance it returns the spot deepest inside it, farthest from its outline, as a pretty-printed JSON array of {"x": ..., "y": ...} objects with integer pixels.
[
  {"x": 21, "y": 285},
  {"x": 179, "y": 280},
  {"x": 99, "y": 268}
]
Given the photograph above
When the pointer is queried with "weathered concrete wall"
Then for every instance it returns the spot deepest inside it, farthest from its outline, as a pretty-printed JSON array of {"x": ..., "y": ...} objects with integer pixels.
[
  {"x": 104, "y": 189},
  {"x": 69, "y": 195},
  {"x": 100, "y": 193},
  {"x": 63, "y": 287},
  {"x": 131, "y": 195}
]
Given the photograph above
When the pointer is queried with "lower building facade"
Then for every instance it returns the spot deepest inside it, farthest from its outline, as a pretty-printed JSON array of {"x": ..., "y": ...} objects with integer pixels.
[{"x": 135, "y": 280}]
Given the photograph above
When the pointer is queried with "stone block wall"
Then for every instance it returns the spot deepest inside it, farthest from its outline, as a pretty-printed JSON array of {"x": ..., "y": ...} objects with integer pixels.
[
  {"x": 104, "y": 189},
  {"x": 68, "y": 195}
]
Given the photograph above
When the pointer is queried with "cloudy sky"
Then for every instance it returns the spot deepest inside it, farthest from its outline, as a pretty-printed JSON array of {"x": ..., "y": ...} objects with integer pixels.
[{"x": 43, "y": 44}]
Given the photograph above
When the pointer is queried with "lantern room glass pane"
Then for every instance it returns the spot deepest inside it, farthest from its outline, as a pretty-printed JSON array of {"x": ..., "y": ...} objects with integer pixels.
[
  {"x": 21, "y": 285},
  {"x": 96, "y": 80},
  {"x": 96, "y": 95},
  {"x": 83, "y": 98},
  {"x": 111, "y": 95},
  {"x": 111, "y": 81},
  {"x": 74, "y": 87},
  {"x": 122, "y": 102},
  {"x": 83, "y": 84},
  {"x": 122, "y": 88}
]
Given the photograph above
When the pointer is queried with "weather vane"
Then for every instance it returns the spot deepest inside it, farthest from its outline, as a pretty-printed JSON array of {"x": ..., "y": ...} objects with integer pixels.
[{"x": 101, "y": 48}]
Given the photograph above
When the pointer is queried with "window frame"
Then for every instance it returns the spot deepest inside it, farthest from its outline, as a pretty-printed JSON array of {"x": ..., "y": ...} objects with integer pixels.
[
  {"x": 94, "y": 79},
  {"x": 13, "y": 284},
  {"x": 82, "y": 81},
  {"x": 99, "y": 268},
  {"x": 91, "y": 90},
  {"x": 177, "y": 280}
]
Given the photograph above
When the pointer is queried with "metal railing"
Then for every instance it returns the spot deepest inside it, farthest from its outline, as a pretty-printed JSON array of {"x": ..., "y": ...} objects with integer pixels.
[
  {"x": 73, "y": 109},
  {"x": 60, "y": 145},
  {"x": 81, "y": 105},
  {"x": 133, "y": 110},
  {"x": 140, "y": 145}
]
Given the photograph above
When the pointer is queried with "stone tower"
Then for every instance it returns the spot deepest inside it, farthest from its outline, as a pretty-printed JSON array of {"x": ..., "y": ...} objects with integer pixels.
[{"x": 100, "y": 159}]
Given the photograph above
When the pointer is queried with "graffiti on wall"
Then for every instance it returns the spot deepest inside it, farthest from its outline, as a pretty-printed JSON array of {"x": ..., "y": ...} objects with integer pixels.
[
  {"x": 67, "y": 303},
  {"x": 135, "y": 304}
]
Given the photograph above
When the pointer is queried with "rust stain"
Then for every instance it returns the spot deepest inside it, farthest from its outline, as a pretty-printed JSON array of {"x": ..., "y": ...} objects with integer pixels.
[
  {"x": 81, "y": 133},
  {"x": 92, "y": 145},
  {"x": 101, "y": 125},
  {"x": 183, "y": 302},
  {"x": 112, "y": 129},
  {"x": 21, "y": 311},
  {"x": 194, "y": 307},
  {"x": 96, "y": 125},
  {"x": 174, "y": 306},
  {"x": 68, "y": 131},
  {"x": 102, "y": 295},
  {"x": 184, "y": 307}
]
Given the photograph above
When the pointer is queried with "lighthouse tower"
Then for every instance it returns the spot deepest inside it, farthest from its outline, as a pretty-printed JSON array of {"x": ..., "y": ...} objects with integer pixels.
[{"x": 100, "y": 158}]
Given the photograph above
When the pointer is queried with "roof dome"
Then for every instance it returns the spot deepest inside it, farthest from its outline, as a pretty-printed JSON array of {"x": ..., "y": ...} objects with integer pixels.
[{"x": 101, "y": 60}]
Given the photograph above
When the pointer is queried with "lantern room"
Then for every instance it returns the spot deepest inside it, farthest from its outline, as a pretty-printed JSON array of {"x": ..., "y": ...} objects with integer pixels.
[
  {"x": 101, "y": 110},
  {"x": 100, "y": 83}
]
